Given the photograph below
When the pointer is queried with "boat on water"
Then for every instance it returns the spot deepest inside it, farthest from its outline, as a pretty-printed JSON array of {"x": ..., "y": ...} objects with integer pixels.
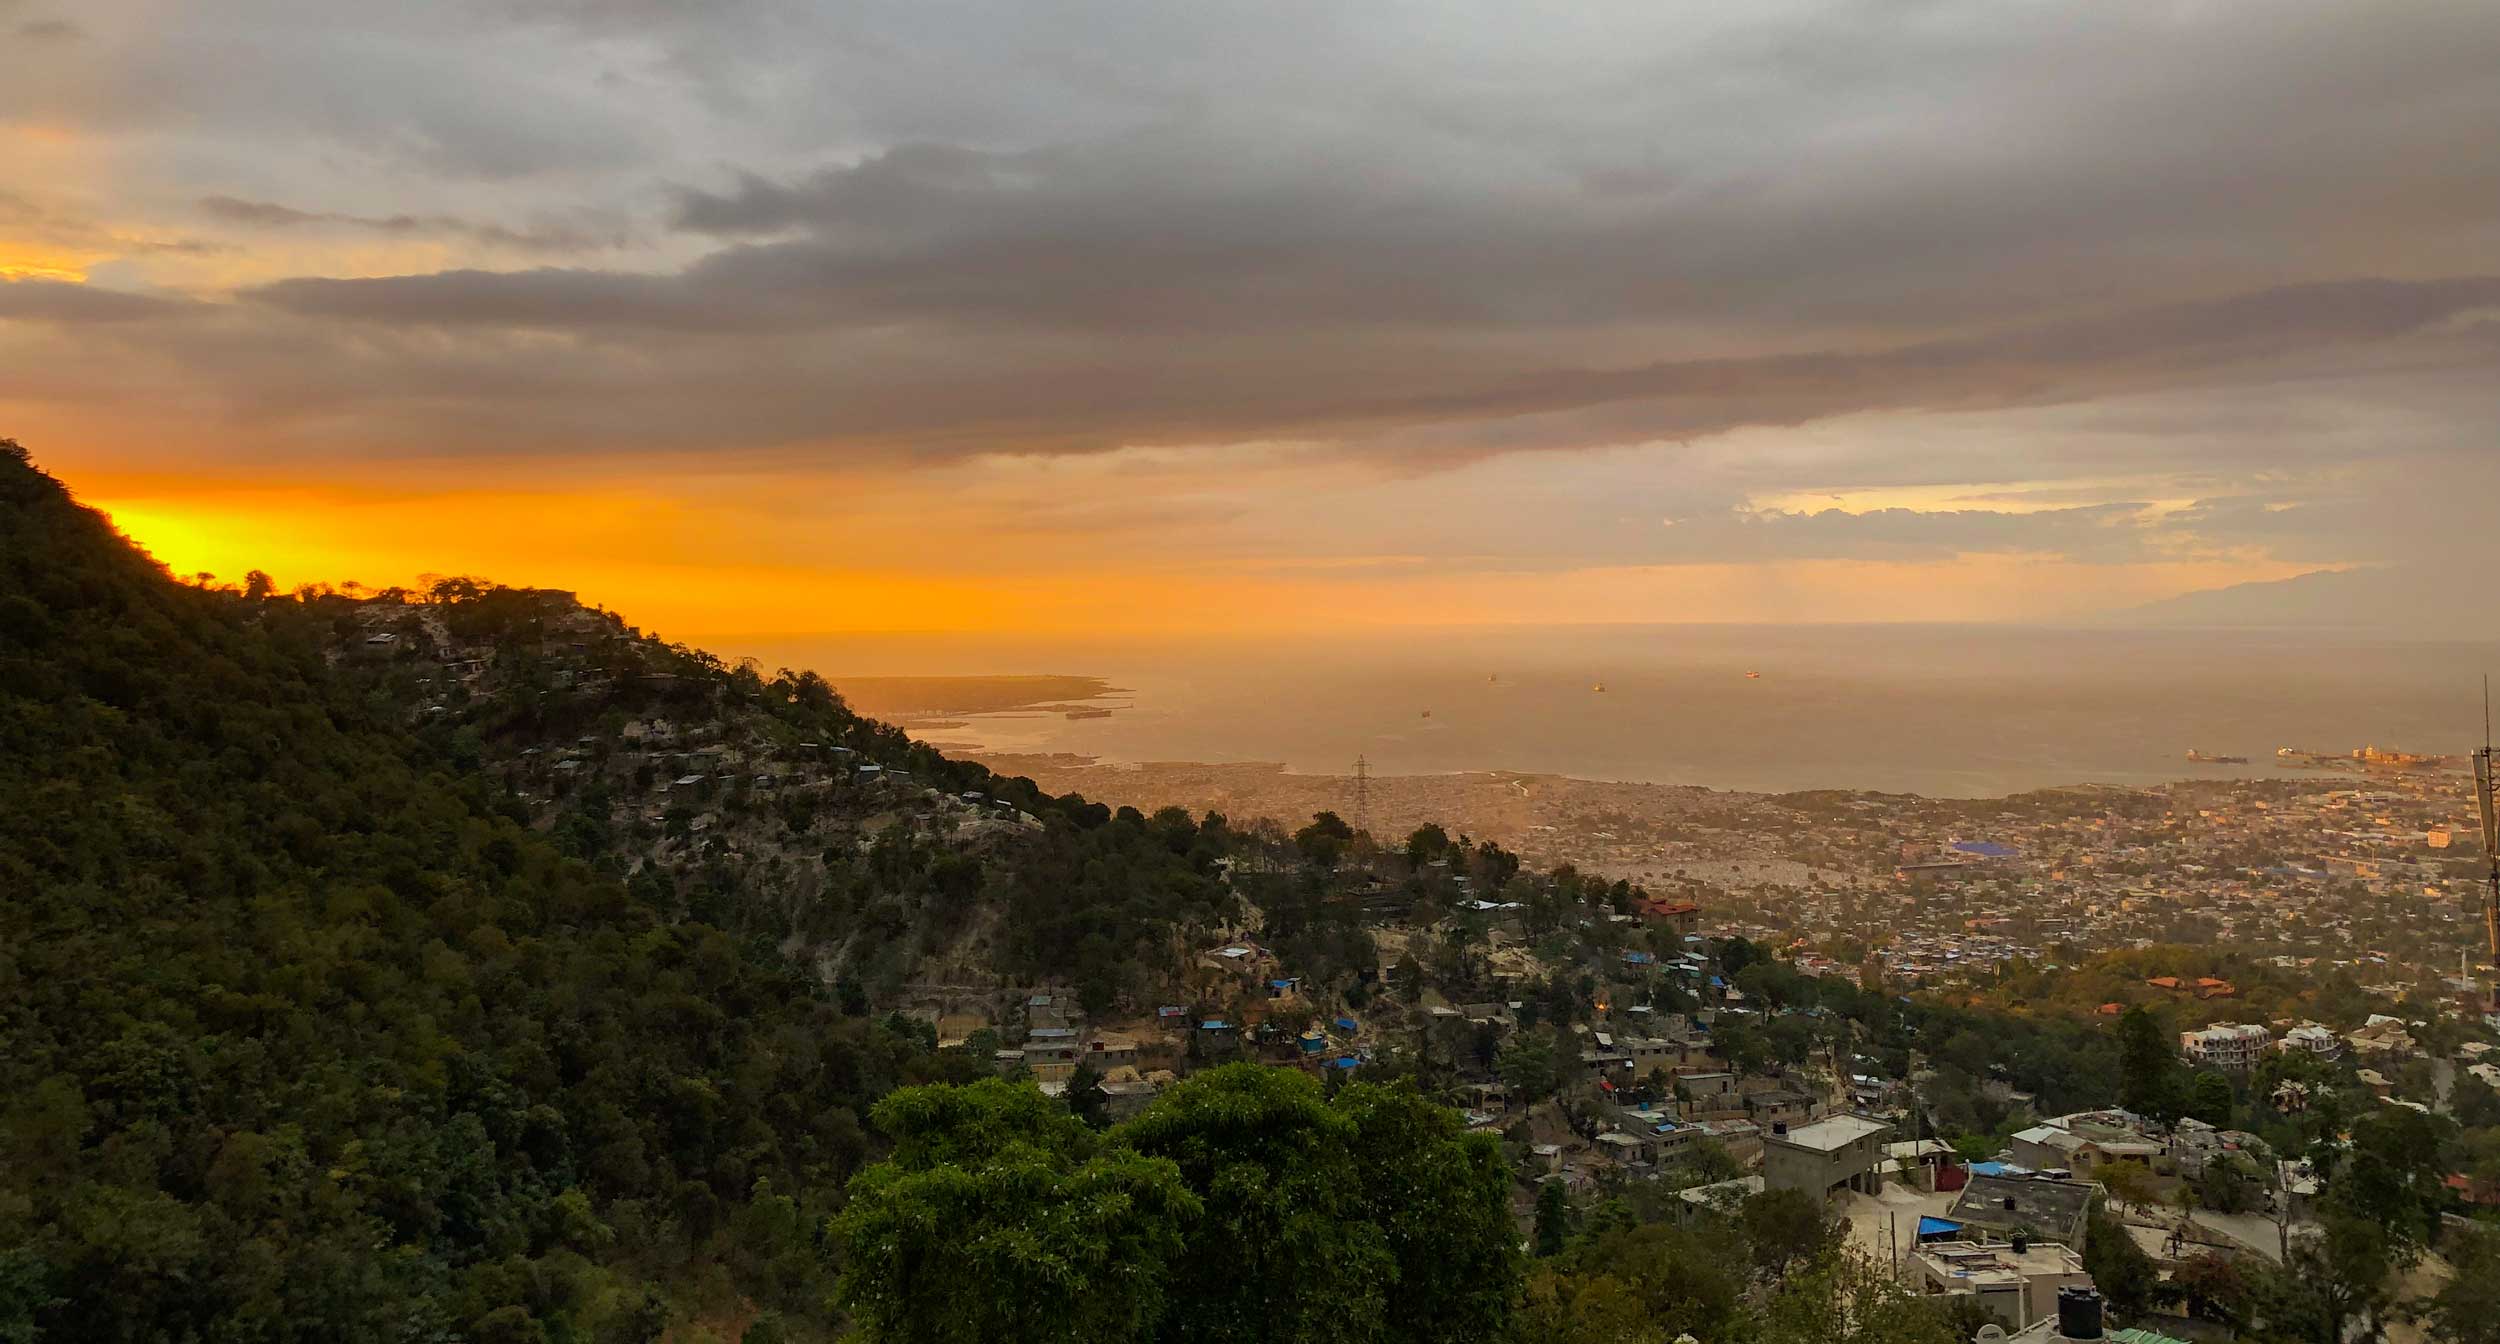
[
  {"x": 1753, "y": 676},
  {"x": 1601, "y": 686},
  {"x": 1094, "y": 713},
  {"x": 2201, "y": 758}
]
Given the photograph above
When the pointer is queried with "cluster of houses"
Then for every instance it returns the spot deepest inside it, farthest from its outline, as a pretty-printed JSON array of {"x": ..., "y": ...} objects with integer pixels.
[
  {"x": 2365, "y": 877},
  {"x": 2239, "y": 1046}
]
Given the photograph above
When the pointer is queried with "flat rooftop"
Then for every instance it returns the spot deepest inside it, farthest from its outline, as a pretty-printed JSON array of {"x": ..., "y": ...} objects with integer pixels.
[
  {"x": 1975, "y": 1264},
  {"x": 1830, "y": 1133}
]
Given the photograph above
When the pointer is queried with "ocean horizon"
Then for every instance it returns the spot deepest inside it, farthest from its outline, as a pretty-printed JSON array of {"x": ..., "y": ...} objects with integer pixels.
[{"x": 1940, "y": 710}]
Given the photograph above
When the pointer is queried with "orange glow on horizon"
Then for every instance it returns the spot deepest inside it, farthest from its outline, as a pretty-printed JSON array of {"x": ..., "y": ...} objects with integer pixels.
[
  {"x": 20, "y": 262},
  {"x": 705, "y": 569}
]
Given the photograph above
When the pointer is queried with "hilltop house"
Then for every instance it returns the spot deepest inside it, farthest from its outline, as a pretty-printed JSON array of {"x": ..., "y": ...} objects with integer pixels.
[{"x": 1834, "y": 1153}]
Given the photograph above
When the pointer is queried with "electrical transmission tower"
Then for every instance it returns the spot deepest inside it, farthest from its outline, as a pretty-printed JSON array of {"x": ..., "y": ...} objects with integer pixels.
[{"x": 1362, "y": 793}]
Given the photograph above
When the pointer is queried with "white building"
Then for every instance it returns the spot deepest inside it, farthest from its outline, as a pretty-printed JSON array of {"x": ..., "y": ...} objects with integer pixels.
[
  {"x": 2226, "y": 1045},
  {"x": 2017, "y": 1287}
]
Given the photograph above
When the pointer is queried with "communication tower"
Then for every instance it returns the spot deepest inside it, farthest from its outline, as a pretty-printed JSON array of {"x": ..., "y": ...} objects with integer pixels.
[{"x": 1363, "y": 796}]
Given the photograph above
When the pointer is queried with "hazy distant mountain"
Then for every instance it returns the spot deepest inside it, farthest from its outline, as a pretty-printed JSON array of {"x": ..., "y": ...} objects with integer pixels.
[{"x": 2401, "y": 597}]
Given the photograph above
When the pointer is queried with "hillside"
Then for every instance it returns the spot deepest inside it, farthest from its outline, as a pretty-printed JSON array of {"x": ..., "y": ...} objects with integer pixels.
[
  {"x": 2400, "y": 599},
  {"x": 764, "y": 804},
  {"x": 315, "y": 1030}
]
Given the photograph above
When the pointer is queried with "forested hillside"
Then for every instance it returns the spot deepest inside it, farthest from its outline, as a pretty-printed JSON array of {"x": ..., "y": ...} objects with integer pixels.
[
  {"x": 306, "y": 1036},
  {"x": 329, "y": 1011},
  {"x": 764, "y": 805}
]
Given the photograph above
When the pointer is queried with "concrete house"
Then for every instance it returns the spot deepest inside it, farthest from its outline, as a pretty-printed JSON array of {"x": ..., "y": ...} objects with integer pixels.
[
  {"x": 2016, "y": 1286},
  {"x": 1834, "y": 1153},
  {"x": 1998, "y": 1207}
]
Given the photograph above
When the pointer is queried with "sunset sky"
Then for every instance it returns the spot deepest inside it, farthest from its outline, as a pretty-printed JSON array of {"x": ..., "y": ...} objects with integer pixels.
[{"x": 763, "y": 315}]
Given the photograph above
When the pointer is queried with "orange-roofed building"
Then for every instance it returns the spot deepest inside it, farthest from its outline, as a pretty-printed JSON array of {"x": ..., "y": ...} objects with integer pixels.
[
  {"x": 1679, "y": 915},
  {"x": 2169, "y": 982}
]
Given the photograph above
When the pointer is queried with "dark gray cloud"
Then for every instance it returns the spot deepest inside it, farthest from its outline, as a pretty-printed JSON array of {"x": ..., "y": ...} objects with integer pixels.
[
  {"x": 877, "y": 370},
  {"x": 541, "y": 238},
  {"x": 61, "y": 301},
  {"x": 26, "y": 220}
]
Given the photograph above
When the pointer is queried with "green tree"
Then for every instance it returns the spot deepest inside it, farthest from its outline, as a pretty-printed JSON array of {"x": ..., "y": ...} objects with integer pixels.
[
  {"x": 1685, "y": 1283},
  {"x": 2210, "y": 1099},
  {"x": 1085, "y": 1095},
  {"x": 1566, "y": 1308},
  {"x": 2473, "y": 1102},
  {"x": 2466, "y": 1310},
  {"x": 1426, "y": 843},
  {"x": 1553, "y": 1219},
  {"x": 2213, "y": 1288},
  {"x": 2150, "y": 1075},
  {"x": 1740, "y": 1043},
  {"x": 1848, "y": 1299},
  {"x": 1324, "y": 840},
  {"x": 2334, "y": 1284},
  {"x": 1281, "y": 1252},
  {"x": 2122, "y": 1271},
  {"x": 1786, "y": 1229},
  {"x": 1527, "y": 1067},
  {"x": 1441, "y": 1197},
  {"x": 996, "y": 1218},
  {"x": 2391, "y": 1175}
]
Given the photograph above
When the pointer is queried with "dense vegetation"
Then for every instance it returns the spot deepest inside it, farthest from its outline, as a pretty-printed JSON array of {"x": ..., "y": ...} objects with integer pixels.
[
  {"x": 1244, "y": 1205},
  {"x": 1241, "y": 1206},
  {"x": 306, "y": 1037},
  {"x": 314, "y": 1024},
  {"x": 1088, "y": 896}
]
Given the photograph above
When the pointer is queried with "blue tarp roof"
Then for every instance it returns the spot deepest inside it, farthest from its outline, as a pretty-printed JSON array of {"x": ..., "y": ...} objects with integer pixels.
[
  {"x": 1343, "y": 1062},
  {"x": 1346, "y": 1022},
  {"x": 1988, "y": 1168},
  {"x": 1985, "y": 849},
  {"x": 1215, "y": 1024},
  {"x": 1936, "y": 1227}
]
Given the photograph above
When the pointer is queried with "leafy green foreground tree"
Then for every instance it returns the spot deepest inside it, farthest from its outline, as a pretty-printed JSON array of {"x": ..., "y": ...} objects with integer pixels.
[
  {"x": 1000, "y": 1216},
  {"x": 1242, "y": 1205}
]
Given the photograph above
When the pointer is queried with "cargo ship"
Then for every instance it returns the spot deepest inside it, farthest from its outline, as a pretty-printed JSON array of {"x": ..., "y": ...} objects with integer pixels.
[{"x": 2201, "y": 758}]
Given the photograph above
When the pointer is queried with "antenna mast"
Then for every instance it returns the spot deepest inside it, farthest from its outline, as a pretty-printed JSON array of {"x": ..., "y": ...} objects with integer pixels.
[
  {"x": 2486, "y": 779},
  {"x": 1363, "y": 800}
]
